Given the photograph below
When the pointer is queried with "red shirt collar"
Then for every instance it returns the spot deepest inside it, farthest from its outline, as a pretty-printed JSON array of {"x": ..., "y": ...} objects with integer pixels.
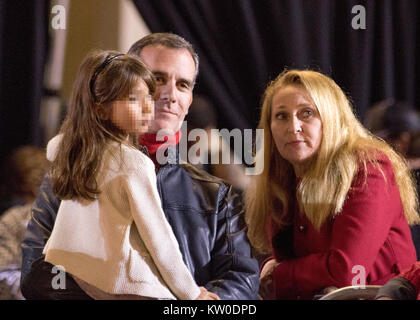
[{"x": 150, "y": 142}]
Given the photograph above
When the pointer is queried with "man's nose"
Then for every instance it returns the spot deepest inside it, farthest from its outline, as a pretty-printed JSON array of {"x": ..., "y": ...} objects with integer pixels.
[{"x": 168, "y": 92}]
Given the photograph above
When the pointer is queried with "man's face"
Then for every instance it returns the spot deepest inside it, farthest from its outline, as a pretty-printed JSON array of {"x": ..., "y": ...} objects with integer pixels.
[{"x": 174, "y": 70}]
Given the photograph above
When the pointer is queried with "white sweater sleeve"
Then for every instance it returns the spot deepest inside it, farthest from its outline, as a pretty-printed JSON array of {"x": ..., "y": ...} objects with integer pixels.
[{"x": 155, "y": 231}]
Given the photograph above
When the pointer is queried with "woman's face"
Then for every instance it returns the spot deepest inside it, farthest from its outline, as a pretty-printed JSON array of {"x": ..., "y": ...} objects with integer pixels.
[
  {"x": 296, "y": 126},
  {"x": 134, "y": 113}
]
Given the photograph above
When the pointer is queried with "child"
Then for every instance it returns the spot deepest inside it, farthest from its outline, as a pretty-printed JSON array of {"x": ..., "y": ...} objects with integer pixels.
[{"x": 111, "y": 234}]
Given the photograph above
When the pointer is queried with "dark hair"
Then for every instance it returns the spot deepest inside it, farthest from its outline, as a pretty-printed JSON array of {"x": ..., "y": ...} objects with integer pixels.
[
  {"x": 168, "y": 40},
  {"x": 86, "y": 128},
  {"x": 389, "y": 118},
  {"x": 401, "y": 117}
]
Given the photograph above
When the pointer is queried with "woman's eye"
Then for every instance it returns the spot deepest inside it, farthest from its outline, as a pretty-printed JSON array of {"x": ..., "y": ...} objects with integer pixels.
[
  {"x": 132, "y": 98},
  {"x": 307, "y": 113},
  {"x": 280, "y": 116}
]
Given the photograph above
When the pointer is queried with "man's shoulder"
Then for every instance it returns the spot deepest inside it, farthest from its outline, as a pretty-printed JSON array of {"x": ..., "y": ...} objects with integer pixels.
[
  {"x": 202, "y": 175},
  {"x": 205, "y": 179},
  {"x": 187, "y": 186}
]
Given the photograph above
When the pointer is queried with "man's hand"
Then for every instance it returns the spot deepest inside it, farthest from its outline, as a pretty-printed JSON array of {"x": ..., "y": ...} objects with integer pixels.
[
  {"x": 266, "y": 280},
  {"x": 207, "y": 295}
]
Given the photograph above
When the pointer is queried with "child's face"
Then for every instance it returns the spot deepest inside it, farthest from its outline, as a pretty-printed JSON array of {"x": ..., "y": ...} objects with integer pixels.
[{"x": 135, "y": 113}]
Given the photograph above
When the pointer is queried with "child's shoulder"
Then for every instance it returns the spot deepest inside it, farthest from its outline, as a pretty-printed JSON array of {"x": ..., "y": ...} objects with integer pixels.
[
  {"x": 121, "y": 160},
  {"x": 134, "y": 158}
]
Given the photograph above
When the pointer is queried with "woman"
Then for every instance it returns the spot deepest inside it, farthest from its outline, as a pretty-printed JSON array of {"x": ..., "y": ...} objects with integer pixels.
[{"x": 333, "y": 199}]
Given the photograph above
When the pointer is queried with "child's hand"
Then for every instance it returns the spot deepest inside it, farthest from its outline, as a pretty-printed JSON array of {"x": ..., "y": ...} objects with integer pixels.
[{"x": 207, "y": 295}]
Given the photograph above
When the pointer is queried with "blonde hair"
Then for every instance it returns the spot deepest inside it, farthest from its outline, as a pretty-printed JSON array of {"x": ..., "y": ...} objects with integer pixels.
[{"x": 345, "y": 146}]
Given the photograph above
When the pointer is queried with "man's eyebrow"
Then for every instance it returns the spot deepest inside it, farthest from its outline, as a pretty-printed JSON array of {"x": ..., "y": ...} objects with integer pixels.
[{"x": 159, "y": 73}]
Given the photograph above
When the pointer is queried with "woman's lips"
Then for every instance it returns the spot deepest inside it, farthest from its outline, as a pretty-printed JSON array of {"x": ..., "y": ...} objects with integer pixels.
[{"x": 295, "y": 143}]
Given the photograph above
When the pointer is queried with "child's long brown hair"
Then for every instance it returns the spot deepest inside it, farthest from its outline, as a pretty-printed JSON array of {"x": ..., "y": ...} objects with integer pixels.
[{"x": 103, "y": 77}]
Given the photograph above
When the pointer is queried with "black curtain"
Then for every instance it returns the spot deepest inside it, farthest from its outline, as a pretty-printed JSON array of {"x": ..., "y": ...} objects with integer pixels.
[
  {"x": 23, "y": 50},
  {"x": 243, "y": 44}
]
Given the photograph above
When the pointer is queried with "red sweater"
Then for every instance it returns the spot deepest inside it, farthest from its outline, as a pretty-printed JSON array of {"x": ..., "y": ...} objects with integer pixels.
[{"x": 370, "y": 234}]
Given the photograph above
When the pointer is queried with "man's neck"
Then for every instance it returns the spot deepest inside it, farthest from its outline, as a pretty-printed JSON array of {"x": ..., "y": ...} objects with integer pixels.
[{"x": 151, "y": 142}]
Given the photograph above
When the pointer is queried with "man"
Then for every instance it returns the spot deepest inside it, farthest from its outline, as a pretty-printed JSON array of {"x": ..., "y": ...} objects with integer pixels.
[{"x": 205, "y": 214}]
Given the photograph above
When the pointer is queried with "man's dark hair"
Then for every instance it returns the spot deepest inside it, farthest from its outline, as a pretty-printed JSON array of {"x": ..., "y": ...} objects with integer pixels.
[{"x": 168, "y": 40}]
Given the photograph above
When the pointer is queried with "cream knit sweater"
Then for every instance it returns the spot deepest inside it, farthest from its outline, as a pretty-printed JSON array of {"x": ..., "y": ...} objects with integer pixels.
[{"x": 121, "y": 243}]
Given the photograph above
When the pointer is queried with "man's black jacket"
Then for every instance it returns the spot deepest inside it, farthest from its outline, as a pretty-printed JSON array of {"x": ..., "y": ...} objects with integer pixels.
[{"x": 207, "y": 218}]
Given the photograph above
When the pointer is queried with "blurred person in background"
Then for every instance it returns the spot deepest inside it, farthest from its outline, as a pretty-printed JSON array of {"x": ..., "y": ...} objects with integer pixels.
[
  {"x": 398, "y": 123},
  {"x": 203, "y": 115},
  {"x": 25, "y": 169}
]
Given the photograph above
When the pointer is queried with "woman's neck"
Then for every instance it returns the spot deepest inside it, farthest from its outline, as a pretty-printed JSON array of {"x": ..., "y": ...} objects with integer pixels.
[{"x": 300, "y": 170}]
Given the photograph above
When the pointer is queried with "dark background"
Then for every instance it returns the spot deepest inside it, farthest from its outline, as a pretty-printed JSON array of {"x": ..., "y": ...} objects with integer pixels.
[
  {"x": 242, "y": 45},
  {"x": 23, "y": 53}
]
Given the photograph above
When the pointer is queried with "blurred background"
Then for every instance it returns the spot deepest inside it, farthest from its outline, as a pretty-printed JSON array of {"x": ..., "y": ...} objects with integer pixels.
[{"x": 242, "y": 44}]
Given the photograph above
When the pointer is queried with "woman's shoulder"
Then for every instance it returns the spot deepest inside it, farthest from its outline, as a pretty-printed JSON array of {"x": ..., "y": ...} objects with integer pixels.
[
  {"x": 374, "y": 160},
  {"x": 375, "y": 164}
]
